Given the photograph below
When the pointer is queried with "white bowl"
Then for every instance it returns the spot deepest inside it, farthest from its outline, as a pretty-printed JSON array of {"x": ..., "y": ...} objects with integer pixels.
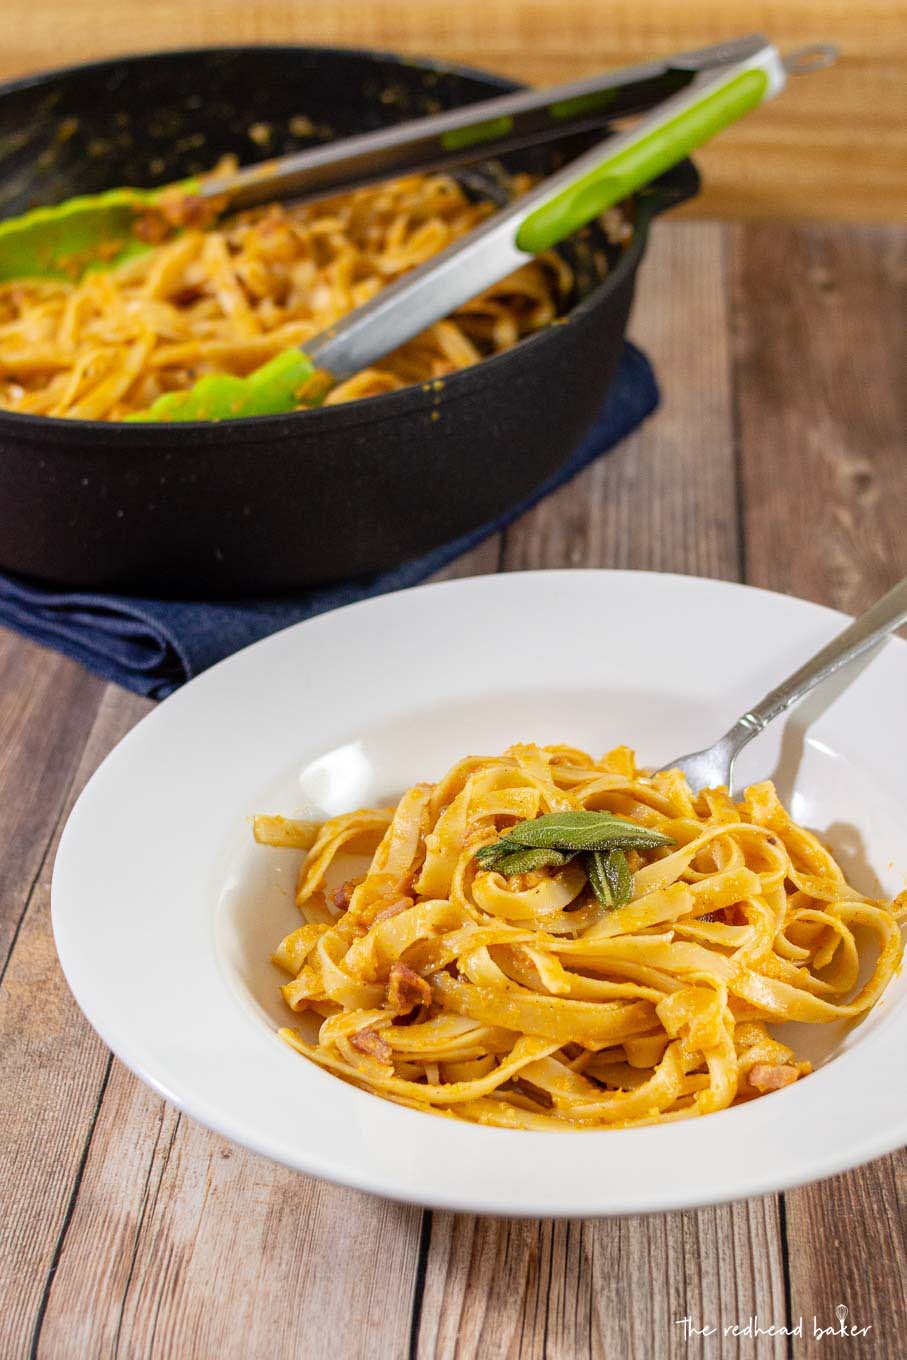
[{"x": 165, "y": 912}]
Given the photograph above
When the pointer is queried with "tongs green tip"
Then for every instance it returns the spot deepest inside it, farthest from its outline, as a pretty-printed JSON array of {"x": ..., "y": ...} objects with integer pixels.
[
  {"x": 285, "y": 383},
  {"x": 93, "y": 231}
]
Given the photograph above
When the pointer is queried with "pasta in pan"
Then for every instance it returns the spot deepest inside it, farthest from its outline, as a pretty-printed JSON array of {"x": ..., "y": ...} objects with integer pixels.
[
  {"x": 228, "y": 299},
  {"x": 628, "y": 977}
]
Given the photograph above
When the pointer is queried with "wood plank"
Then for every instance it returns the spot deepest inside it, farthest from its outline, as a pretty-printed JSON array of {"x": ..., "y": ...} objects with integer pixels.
[
  {"x": 533, "y": 1289},
  {"x": 821, "y": 353},
  {"x": 664, "y": 500},
  {"x": 47, "y": 705},
  {"x": 793, "y": 158},
  {"x": 821, "y": 357},
  {"x": 846, "y": 1244},
  {"x": 57, "y": 1067},
  {"x": 182, "y": 1244}
]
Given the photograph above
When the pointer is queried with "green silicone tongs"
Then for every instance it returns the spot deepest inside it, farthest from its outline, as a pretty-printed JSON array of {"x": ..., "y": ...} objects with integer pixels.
[
  {"x": 595, "y": 181},
  {"x": 97, "y": 229}
]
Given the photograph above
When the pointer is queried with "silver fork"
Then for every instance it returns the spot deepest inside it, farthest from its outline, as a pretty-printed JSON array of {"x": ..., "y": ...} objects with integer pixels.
[{"x": 715, "y": 765}]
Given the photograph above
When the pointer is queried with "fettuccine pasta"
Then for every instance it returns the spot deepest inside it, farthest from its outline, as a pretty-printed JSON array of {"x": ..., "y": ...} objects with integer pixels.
[
  {"x": 522, "y": 1001},
  {"x": 227, "y": 299}
]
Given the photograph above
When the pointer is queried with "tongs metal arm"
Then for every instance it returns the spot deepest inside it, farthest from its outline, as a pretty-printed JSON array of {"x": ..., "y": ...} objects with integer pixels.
[{"x": 475, "y": 131}]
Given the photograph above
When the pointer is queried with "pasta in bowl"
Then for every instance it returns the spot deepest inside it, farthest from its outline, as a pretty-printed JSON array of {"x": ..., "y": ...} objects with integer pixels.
[{"x": 542, "y": 940}]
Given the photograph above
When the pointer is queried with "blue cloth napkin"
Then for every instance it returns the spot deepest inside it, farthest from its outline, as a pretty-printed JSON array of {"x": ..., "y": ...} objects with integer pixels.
[{"x": 154, "y": 646}]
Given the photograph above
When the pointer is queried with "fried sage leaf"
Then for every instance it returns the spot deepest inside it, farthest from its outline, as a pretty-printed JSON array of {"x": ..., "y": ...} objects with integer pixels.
[
  {"x": 609, "y": 877},
  {"x": 617, "y": 872},
  {"x": 523, "y": 861},
  {"x": 585, "y": 831},
  {"x": 490, "y": 856}
]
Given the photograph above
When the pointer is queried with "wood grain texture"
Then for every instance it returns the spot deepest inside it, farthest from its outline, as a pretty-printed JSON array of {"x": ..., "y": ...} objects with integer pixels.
[
  {"x": 665, "y": 499},
  {"x": 832, "y": 146},
  {"x": 543, "y": 1290},
  {"x": 56, "y": 1066},
  {"x": 46, "y": 705},
  {"x": 182, "y": 1244},
  {"x": 846, "y": 1246},
  {"x": 821, "y": 356}
]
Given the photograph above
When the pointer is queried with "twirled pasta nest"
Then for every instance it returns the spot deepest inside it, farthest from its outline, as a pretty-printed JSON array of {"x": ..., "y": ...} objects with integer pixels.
[{"x": 521, "y": 1000}]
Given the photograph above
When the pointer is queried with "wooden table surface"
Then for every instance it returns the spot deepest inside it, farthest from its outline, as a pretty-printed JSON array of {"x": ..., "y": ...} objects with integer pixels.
[{"x": 777, "y": 457}]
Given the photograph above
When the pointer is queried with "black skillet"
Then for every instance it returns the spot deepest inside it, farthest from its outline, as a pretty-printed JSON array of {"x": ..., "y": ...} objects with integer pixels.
[{"x": 272, "y": 504}]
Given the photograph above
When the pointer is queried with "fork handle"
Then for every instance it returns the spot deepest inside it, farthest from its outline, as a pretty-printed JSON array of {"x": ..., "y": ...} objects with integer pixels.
[{"x": 858, "y": 637}]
